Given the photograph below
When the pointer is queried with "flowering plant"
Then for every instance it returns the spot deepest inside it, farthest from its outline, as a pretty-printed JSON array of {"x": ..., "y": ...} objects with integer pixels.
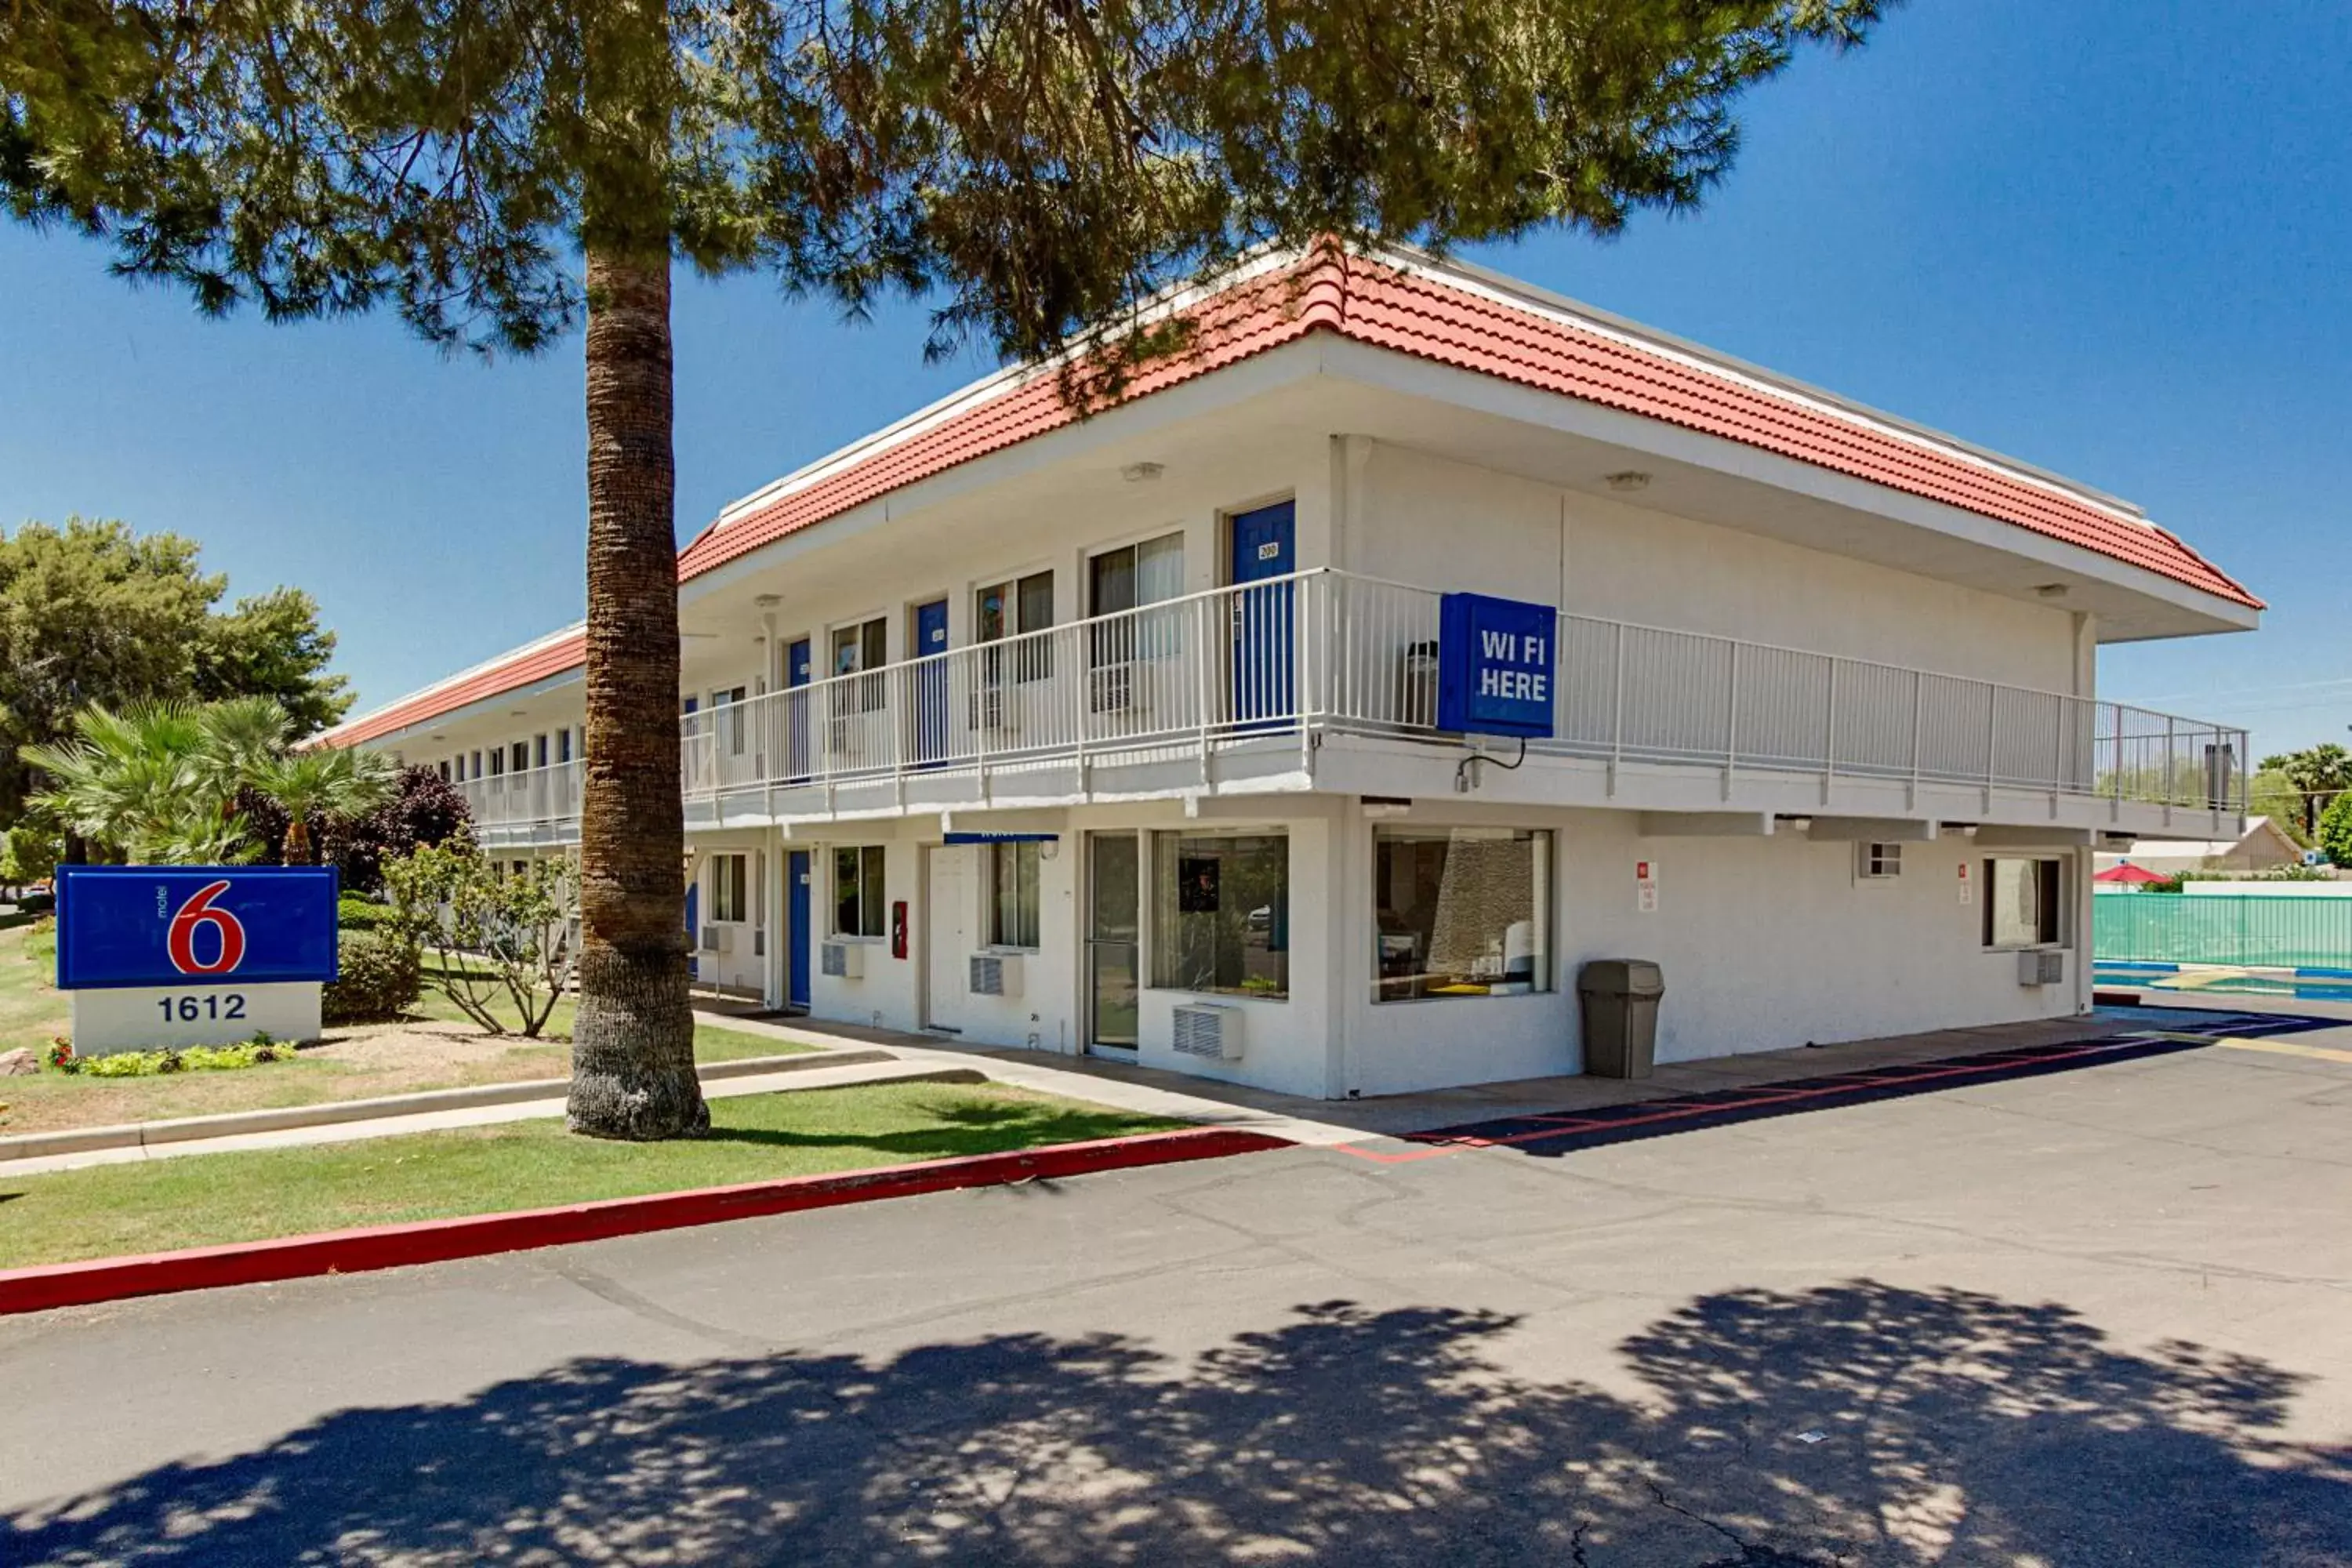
[{"x": 61, "y": 1053}]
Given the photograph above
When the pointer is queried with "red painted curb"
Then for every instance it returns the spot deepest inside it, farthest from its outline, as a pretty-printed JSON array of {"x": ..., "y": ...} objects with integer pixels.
[{"x": 46, "y": 1286}]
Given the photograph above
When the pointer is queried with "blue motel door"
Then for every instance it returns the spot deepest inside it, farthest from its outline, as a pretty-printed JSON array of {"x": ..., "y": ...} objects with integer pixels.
[
  {"x": 693, "y": 936},
  {"x": 796, "y": 939},
  {"x": 1263, "y": 547},
  {"x": 796, "y": 712},
  {"x": 931, "y": 683}
]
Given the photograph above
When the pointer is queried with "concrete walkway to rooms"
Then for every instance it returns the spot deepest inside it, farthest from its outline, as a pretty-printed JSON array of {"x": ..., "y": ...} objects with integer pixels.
[
  {"x": 1328, "y": 1121},
  {"x": 1182, "y": 1097}
]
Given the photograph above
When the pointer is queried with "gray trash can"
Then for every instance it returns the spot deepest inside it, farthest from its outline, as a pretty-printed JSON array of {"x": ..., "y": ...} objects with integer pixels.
[{"x": 1620, "y": 997}]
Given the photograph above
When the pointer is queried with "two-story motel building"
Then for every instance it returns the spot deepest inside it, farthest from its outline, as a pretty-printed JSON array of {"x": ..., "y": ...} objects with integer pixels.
[{"x": 1121, "y": 734}]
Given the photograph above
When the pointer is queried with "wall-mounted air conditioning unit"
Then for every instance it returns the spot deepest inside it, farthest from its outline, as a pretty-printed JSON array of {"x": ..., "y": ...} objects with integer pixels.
[
  {"x": 1208, "y": 1031},
  {"x": 992, "y": 709},
  {"x": 844, "y": 959},
  {"x": 2045, "y": 966},
  {"x": 995, "y": 975},
  {"x": 1115, "y": 689},
  {"x": 709, "y": 942}
]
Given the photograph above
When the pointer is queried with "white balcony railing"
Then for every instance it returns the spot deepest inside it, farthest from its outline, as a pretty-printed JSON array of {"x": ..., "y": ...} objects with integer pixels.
[
  {"x": 1328, "y": 653},
  {"x": 536, "y": 801}
]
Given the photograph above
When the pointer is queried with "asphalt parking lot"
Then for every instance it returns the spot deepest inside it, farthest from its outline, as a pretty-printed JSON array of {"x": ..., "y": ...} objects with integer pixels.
[{"x": 2093, "y": 1314}]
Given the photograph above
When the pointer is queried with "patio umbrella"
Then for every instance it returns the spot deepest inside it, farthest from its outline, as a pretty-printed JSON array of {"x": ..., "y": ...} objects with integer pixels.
[{"x": 2130, "y": 876}]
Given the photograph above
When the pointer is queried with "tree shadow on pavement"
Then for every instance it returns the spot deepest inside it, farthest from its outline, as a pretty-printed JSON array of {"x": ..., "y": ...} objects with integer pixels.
[{"x": 1853, "y": 1423}]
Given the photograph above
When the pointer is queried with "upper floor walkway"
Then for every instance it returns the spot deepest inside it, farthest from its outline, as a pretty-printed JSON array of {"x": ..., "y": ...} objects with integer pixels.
[{"x": 1325, "y": 680}]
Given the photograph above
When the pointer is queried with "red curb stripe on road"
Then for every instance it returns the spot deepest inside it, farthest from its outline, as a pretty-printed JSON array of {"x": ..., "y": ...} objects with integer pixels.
[{"x": 46, "y": 1286}]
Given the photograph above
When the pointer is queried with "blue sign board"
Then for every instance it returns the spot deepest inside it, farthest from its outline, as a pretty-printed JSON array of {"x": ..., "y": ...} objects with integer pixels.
[
  {"x": 1496, "y": 665},
  {"x": 121, "y": 926}
]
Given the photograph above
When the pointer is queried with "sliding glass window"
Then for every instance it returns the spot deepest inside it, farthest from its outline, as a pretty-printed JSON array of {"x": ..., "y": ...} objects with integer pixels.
[
  {"x": 1221, "y": 906},
  {"x": 1460, "y": 911}
]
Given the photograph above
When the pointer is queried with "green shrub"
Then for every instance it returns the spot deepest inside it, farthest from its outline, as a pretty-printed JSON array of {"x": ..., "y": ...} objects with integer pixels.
[
  {"x": 366, "y": 914},
  {"x": 185, "y": 1059},
  {"x": 2336, "y": 829},
  {"x": 382, "y": 977}
]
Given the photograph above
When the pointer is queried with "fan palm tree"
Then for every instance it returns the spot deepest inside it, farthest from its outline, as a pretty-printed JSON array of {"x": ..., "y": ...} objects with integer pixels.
[
  {"x": 131, "y": 781},
  {"x": 322, "y": 782},
  {"x": 242, "y": 737},
  {"x": 2319, "y": 774}
]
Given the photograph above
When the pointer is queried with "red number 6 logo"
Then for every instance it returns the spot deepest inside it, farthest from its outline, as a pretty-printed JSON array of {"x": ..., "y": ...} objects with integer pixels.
[{"x": 198, "y": 911}]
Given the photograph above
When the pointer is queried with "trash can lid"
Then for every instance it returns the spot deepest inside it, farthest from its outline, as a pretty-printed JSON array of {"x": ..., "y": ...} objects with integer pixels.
[{"x": 1632, "y": 976}]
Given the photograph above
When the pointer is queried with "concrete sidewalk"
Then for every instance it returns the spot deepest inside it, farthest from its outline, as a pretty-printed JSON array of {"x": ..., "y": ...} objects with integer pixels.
[
  {"x": 1184, "y": 1098},
  {"x": 840, "y": 1076}
]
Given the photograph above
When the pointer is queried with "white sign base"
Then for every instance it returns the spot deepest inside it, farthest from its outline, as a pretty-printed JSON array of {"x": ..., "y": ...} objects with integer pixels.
[{"x": 149, "y": 1019}]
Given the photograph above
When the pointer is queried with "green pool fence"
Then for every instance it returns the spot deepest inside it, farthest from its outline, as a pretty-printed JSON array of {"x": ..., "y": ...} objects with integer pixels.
[{"x": 2249, "y": 930}]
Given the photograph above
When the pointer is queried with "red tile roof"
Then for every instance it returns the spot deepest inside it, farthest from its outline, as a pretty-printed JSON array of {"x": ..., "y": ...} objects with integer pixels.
[
  {"x": 518, "y": 669},
  {"x": 1425, "y": 315}
]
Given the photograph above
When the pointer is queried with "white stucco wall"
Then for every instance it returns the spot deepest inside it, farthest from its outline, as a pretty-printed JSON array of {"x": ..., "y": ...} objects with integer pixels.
[
  {"x": 1423, "y": 520},
  {"x": 1766, "y": 943}
]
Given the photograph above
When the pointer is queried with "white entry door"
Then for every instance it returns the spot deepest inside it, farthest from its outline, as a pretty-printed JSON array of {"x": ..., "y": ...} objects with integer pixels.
[{"x": 947, "y": 944}]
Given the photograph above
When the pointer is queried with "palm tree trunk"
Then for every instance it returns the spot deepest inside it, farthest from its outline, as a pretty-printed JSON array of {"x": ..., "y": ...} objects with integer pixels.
[{"x": 632, "y": 1048}]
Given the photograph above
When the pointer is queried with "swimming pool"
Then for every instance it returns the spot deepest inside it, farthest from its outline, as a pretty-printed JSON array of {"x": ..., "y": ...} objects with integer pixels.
[{"x": 2217, "y": 980}]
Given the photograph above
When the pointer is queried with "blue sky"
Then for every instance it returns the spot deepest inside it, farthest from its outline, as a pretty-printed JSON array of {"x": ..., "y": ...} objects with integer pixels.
[{"x": 2110, "y": 237}]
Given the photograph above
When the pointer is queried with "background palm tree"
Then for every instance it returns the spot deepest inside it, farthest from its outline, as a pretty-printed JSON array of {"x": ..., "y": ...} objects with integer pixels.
[
  {"x": 2319, "y": 774},
  {"x": 321, "y": 782},
  {"x": 132, "y": 782}
]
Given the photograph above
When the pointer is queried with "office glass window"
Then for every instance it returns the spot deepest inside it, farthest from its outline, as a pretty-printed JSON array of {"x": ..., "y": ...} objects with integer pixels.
[
  {"x": 860, "y": 650},
  {"x": 859, "y": 904},
  {"x": 863, "y": 646},
  {"x": 729, "y": 719},
  {"x": 1221, "y": 913},
  {"x": 2022, "y": 902},
  {"x": 1013, "y": 609},
  {"x": 1460, "y": 911},
  {"x": 1013, "y": 899},
  {"x": 730, "y": 888}
]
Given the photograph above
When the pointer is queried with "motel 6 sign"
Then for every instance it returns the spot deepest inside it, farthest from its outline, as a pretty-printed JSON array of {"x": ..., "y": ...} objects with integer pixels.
[
  {"x": 186, "y": 956},
  {"x": 1497, "y": 666}
]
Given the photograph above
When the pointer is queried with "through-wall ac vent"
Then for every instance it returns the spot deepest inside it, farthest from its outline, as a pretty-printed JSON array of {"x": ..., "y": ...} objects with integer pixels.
[
  {"x": 843, "y": 960},
  {"x": 1208, "y": 1032},
  {"x": 995, "y": 975}
]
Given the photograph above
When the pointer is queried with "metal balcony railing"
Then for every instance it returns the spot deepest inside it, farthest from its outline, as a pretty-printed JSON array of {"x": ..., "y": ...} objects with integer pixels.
[
  {"x": 537, "y": 797},
  {"x": 1332, "y": 653}
]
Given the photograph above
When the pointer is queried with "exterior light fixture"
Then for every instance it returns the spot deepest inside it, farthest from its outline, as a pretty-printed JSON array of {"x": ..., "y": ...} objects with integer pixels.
[
  {"x": 1627, "y": 481},
  {"x": 1142, "y": 473},
  {"x": 2051, "y": 591},
  {"x": 768, "y": 601}
]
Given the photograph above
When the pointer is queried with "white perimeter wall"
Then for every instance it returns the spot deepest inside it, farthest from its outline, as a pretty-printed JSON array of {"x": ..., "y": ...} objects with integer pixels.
[
  {"x": 1767, "y": 943},
  {"x": 1418, "y": 519}
]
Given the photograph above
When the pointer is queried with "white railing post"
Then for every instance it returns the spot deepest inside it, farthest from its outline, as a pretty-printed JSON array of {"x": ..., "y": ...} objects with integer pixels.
[
  {"x": 2171, "y": 764},
  {"x": 1617, "y": 712},
  {"x": 1731, "y": 723},
  {"x": 1200, "y": 675},
  {"x": 1918, "y": 719},
  {"x": 1303, "y": 622},
  {"x": 1992, "y": 741},
  {"x": 1829, "y": 736}
]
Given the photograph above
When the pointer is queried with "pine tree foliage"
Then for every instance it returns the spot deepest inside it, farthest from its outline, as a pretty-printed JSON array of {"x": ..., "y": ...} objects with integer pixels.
[{"x": 1035, "y": 167}]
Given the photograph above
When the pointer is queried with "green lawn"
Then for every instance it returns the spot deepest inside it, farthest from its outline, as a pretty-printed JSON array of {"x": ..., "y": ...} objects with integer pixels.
[
  {"x": 31, "y": 1009},
  {"x": 31, "y": 1012},
  {"x": 202, "y": 1199}
]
